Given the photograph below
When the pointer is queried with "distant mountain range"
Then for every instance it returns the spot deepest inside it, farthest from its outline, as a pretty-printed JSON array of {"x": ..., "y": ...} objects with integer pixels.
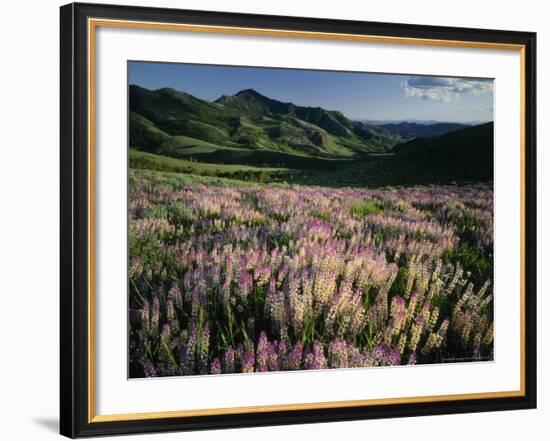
[
  {"x": 425, "y": 122},
  {"x": 410, "y": 130},
  {"x": 313, "y": 144}
]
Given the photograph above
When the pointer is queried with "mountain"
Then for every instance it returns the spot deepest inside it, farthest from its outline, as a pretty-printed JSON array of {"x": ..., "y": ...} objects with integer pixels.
[
  {"x": 410, "y": 130},
  {"x": 460, "y": 156},
  {"x": 251, "y": 136},
  {"x": 380, "y": 122},
  {"x": 175, "y": 123}
]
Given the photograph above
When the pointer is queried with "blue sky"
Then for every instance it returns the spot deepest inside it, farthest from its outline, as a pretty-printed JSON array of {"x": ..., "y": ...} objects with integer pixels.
[{"x": 358, "y": 95}]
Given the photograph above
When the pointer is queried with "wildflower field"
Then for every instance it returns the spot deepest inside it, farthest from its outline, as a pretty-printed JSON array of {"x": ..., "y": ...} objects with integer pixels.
[{"x": 228, "y": 277}]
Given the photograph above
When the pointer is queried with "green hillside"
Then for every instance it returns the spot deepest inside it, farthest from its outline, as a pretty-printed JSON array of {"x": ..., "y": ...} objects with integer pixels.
[
  {"x": 249, "y": 136},
  {"x": 465, "y": 155},
  {"x": 149, "y": 161},
  {"x": 251, "y": 121}
]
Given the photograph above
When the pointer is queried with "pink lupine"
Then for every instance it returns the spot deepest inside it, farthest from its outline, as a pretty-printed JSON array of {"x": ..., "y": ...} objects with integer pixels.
[
  {"x": 155, "y": 314},
  {"x": 175, "y": 295},
  {"x": 338, "y": 354},
  {"x": 286, "y": 264},
  {"x": 248, "y": 362},
  {"x": 144, "y": 315},
  {"x": 316, "y": 359},
  {"x": 215, "y": 367},
  {"x": 294, "y": 359},
  {"x": 262, "y": 353},
  {"x": 229, "y": 360},
  {"x": 149, "y": 369}
]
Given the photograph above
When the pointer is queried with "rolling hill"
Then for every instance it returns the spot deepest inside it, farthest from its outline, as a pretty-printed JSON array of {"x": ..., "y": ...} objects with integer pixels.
[
  {"x": 465, "y": 155},
  {"x": 246, "y": 120},
  {"x": 249, "y": 136}
]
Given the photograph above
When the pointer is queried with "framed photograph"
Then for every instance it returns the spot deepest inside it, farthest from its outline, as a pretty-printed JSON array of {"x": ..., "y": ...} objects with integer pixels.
[{"x": 272, "y": 220}]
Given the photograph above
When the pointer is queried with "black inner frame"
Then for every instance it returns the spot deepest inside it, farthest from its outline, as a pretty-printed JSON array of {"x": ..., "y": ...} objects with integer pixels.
[{"x": 74, "y": 220}]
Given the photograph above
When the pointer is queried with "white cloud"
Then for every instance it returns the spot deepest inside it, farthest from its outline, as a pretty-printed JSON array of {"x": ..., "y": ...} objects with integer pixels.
[{"x": 444, "y": 89}]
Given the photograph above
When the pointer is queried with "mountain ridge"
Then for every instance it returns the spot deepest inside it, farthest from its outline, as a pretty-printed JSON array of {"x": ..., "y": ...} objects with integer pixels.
[
  {"x": 315, "y": 145},
  {"x": 249, "y": 119},
  {"x": 465, "y": 155},
  {"x": 411, "y": 130}
]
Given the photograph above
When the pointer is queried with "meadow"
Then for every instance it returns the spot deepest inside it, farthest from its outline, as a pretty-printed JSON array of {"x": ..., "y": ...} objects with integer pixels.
[{"x": 229, "y": 276}]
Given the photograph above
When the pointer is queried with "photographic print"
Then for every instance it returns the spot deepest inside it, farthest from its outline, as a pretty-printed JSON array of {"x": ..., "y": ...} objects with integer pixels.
[
  {"x": 272, "y": 220},
  {"x": 284, "y": 219}
]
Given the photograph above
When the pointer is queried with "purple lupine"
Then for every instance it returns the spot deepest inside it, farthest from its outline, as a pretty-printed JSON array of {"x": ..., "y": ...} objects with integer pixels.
[
  {"x": 282, "y": 354},
  {"x": 245, "y": 284},
  {"x": 310, "y": 263},
  {"x": 316, "y": 359},
  {"x": 273, "y": 362},
  {"x": 155, "y": 315},
  {"x": 262, "y": 353},
  {"x": 165, "y": 334},
  {"x": 175, "y": 295},
  {"x": 187, "y": 281},
  {"x": 144, "y": 315},
  {"x": 229, "y": 360},
  {"x": 170, "y": 311},
  {"x": 187, "y": 358},
  {"x": 204, "y": 346},
  {"x": 248, "y": 362},
  {"x": 149, "y": 369},
  {"x": 215, "y": 367},
  {"x": 338, "y": 354},
  {"x": 391, "y": 356}
]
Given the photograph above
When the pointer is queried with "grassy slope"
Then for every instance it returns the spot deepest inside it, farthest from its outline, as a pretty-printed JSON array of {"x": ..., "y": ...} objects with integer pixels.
[
  {"x": 149, "y": 161},
  {"x": 463, "y": 155},
  {"x": 186, "y": 148},
  {"x": 251, "y": 121}
]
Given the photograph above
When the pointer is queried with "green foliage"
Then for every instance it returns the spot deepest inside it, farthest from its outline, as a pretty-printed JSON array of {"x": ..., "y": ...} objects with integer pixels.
[
  {"x": 178, "y": 215},
  {"x": 360, "y": 209},
  {"x": 144, "y": 135},
  {"x": 472, "y": 260}
]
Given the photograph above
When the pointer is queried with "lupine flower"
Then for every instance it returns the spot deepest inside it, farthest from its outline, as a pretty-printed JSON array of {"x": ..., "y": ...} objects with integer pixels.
[
  {"x": 144, "y": 314},
  {"x": 282, "y": 267},
  {"x": 204, "y": 346},
  {"x": 262, "y": 353},
  {"x": 188, "y": 353},
  {"x": 273, "y": 363},
  {"x": 215, "y": 367},
  {"x": 175, "y": 295},
  {"x": 316, "y": 359},
  {"x": 295, "y": 357},
  {"x": 149, "y": 369},
  {"x": 155, "y": 315},
  {"x": 170, "y": 311},
  {"x": 165, "y": 335},
  {"x": 229, "y": 361},
  {"x": 338, "y": 354},
  {"x": 248, "y": 362}
]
